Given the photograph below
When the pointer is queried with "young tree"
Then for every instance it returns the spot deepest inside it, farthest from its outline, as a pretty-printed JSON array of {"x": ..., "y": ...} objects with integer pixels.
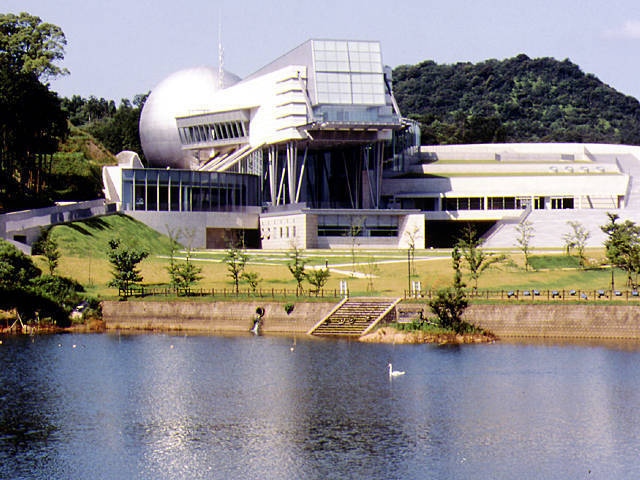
[
  {"x": 372, "y": 271},
  {"x": 297, "y": 266},
  {"x": 51, "y": 253},
  {"x": 253, "y": 279},
  {"x": 125, "y": 266},
  {"x": 577, "y": 238},
  {"x": 318, "y": 277},
  {"x": 355, "y": 230},
  {"x": 450, "y": 303},
  {"x": 412, "y": 238},
  {"x": 525, "y": 235},
  {"x": 622, "y": 246},
  {"x": 236, "y": 261},
  {"x": 184, "y": 274},
  {"x": 174, "y": 245},
  {"x": 476, "y": 259},
  {"x": 48, "y": 248}
]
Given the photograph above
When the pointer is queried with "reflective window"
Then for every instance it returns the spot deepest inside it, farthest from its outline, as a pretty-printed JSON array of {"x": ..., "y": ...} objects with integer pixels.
[
  {"x": 367, "y": 88},
  {"x": 333, "y": 87},
  {"x": 349, "y": 73}
]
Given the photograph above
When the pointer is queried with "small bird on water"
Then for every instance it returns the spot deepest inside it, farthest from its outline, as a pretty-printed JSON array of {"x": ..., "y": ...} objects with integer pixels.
[{"x": 394, "y": 373}]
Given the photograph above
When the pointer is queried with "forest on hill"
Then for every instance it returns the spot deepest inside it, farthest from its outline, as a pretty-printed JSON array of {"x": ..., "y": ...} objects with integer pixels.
[{"x": 514, "y": 100}]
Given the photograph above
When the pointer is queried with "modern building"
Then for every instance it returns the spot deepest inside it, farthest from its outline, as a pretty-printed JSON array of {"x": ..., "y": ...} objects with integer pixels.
[{"x": 311, "y": 150}]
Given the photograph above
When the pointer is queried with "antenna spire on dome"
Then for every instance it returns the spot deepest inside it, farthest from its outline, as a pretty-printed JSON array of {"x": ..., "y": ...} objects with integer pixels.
[{"x": 220, "y": 55}]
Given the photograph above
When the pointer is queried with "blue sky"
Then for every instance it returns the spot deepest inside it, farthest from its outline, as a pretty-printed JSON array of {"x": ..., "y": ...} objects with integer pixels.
[{"x": 119, "y": 48}]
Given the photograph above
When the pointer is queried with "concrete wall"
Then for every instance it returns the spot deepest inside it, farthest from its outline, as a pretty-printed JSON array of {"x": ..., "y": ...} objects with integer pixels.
[
  {"x": 558, "y": 321},
  {"x": 198, "y": 221},
  {"x": 233, "y": 317},
  {"x": 580, "y": 151},
  {"x": 284, "y": 231},
  {"x": 28, "y": 224},
  {"x": 533, "y": 321}
]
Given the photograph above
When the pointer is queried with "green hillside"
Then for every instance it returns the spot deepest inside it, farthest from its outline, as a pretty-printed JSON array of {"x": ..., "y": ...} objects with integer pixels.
[
  {"x": 515, "y": 100},
  {"x": 76, "y": 169},
  {"x": 89, "y": 238}
]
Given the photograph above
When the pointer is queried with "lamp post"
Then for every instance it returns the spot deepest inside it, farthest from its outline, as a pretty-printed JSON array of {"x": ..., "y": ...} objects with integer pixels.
[{"x": 409, "y": 271}]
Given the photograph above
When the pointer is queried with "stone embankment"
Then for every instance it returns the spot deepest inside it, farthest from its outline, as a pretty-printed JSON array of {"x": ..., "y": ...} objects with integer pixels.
[
  {"x": 572, "y": 321},
  {"x": 504, "y": 321},
  {"x": 215, "y": 317}
]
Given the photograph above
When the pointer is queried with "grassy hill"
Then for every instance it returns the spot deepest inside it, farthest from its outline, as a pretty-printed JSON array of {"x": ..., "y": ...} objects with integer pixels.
[
  {"x": 89, "y": 238},
  {"x": 76, "y": 170}
]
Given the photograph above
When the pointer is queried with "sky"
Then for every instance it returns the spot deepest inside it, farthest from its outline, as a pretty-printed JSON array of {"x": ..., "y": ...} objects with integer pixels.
[{"x": 119, "y": 48}]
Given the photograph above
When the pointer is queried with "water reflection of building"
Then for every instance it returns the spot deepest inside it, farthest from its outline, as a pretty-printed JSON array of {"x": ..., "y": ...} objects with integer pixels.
[{"x": 312, "y": 149}]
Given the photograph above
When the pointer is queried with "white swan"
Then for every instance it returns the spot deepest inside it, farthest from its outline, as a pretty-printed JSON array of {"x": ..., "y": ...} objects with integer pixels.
[{"x": 394, "y": 373}]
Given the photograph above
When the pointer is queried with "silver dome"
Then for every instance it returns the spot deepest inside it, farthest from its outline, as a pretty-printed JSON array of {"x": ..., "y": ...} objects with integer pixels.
[{"x": 186, "y": 91}]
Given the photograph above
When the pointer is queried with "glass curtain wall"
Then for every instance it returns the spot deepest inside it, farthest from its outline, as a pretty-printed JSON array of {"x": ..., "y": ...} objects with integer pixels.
[{"x": 188, "y": 191}]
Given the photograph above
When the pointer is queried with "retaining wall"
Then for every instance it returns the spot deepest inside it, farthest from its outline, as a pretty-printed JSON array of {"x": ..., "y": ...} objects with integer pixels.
[
  {"x": 558, "y": 321},
  {"x": 232, "y": 317},
  {"x": 522, "y": 320}
]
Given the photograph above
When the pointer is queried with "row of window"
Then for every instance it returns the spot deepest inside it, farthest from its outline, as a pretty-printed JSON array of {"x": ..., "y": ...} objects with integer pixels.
[
  {"x": 180, "y": 190},
  {"x": 341, "y": 56},
  {"x": 279, "y": 232},
  {"x": 452, "y": 204},
  {"x": 350, "y": 226},
  {"x": 342, "y": 231},
  {"x": 350, "y": 88},
  {"x": 212, "y": 132}
]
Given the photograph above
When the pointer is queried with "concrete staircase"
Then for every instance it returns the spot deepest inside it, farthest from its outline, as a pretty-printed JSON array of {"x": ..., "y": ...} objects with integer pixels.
[
  {"x": 549, "y": 226},
  {"x": 630, "y": 165},
  {"x": 354, "y": 317}
]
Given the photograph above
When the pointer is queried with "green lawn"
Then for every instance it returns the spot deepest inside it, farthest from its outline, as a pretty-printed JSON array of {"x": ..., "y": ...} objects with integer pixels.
[{"x": 83, "y": 246}]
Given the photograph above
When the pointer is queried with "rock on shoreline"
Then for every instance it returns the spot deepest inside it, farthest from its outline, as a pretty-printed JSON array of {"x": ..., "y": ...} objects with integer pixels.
[{"x": 391, "y": 335}]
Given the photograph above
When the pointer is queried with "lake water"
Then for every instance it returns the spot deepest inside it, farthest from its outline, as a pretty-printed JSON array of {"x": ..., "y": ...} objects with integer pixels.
[{"x": 214, "y": 407}]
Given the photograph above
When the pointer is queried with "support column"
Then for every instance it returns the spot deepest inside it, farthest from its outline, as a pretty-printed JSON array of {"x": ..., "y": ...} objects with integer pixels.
[
  {"x": 301, "y": 176},
  {"x": 292, "y": 170},
  {"x": 273, "y": 175},
  {"x": 379, "y": 159},
  {"x": 373, "y": 156}
]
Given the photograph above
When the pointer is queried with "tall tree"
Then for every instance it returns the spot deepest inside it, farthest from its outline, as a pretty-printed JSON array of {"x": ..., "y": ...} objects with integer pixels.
[
  {"x": 30, "y": 46},
  {"x": 31, "y": 119}
]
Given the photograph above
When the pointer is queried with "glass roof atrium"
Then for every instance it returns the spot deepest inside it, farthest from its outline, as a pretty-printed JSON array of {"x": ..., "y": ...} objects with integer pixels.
[{"x": 348, "y": 72}]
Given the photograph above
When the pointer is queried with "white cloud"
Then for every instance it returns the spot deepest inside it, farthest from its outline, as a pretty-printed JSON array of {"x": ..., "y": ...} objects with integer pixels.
[{"x": 630, "y": 29}]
